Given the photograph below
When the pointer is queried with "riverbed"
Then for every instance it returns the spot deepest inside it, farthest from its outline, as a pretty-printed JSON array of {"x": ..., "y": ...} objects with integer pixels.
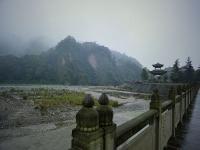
[{"x": 52, "y": 136}]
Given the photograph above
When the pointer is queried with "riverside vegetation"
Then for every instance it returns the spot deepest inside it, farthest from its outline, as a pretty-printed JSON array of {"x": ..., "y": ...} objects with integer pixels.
[{"x": 44, "y": 98}]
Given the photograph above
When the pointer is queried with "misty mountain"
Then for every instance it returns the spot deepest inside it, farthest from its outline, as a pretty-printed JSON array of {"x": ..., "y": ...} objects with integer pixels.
[
  {"x": 124, "y": 64},
  {"x": 14, "y": 45},
  {"x": 11, "y": 45},
  {"x": 72, "y": 63}
]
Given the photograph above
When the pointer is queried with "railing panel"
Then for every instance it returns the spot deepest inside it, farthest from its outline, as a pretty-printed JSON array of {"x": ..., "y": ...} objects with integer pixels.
[
  {"x": 183, "y": 106},
  {"x": 166, "y": 127},
  {"x": 144, "y": 140},
  {"x": 166, "y": 105},
  {"x": 177, "y": 113},
  {"x": 131, "y": 127},
  {"x": 186, "y": 99}
]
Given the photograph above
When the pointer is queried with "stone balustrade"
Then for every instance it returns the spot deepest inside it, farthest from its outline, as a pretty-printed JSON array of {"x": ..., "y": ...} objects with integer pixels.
[{"x": 151, "y": 130}]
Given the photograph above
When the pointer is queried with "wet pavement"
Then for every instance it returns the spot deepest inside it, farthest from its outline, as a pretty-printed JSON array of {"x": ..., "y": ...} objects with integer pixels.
[{"x": 189, "y": 135}]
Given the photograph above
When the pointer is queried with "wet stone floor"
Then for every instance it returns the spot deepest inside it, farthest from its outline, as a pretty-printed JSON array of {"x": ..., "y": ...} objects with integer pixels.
[
  {"x": 188, "y": 136},
  {"x": 191, "y": 139}
]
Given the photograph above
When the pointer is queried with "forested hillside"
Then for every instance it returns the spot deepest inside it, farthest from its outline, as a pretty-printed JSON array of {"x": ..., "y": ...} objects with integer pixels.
[{"x": 72, "y": 63}]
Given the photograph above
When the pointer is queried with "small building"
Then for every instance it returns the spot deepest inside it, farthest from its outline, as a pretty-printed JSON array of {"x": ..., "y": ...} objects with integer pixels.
[{"x": 158, "y": 71}]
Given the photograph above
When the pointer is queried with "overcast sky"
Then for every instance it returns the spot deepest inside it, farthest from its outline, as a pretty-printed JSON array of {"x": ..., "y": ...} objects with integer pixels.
[{"x": 149, "y": 30}]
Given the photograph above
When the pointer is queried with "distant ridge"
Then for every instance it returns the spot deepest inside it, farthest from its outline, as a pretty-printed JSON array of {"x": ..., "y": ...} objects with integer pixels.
[{"x": 71, "y": 63}]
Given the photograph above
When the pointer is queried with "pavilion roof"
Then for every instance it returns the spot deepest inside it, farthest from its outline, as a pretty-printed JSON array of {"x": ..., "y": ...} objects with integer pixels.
[{"x": 158, "y": 65}]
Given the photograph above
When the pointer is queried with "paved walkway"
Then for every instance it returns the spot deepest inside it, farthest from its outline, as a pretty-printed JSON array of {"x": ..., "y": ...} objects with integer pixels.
[{"x": 191, "y": 130}]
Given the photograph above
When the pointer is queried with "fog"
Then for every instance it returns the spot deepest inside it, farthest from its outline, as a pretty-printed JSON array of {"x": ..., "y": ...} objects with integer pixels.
[{"x": 150, "y": 31}]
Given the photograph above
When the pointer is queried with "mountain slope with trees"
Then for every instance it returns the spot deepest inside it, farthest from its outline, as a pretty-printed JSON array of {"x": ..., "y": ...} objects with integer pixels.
[
  {"x": 72, "y": 63},
  {"x": 186, "y": 73}
]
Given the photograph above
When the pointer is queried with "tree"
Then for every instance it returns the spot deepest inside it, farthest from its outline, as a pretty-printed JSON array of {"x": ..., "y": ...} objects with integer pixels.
[
  {"x": 197, "y": 75},
  {"x": 145, "y": 74},
  {"x": 189, "y": 71},
  {"x": 165, "y": 77},
  {"x": 176, "y": 75}
]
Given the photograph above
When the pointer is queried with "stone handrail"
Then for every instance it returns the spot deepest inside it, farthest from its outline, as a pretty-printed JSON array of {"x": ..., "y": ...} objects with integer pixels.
[
  {"x": 131, "y": 127},
  {"x": 165, "y": 105},
  {"x": 151, "y": 130}
]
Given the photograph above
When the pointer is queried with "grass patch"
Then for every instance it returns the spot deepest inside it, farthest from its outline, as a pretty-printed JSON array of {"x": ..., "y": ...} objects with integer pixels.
[
  {"x": 48, "y": 98},
  {"x": 143, "y": 96},
  {"x": 53, "y": 98},
  {"x": 45, "y": 98}
]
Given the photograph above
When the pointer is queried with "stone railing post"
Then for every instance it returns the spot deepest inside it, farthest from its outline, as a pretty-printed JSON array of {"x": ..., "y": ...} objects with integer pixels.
[
  {"x": 189, "y": 94},
  {"x": 172, "y": 96},
  {"x": 184, "y": 99},
  {"x": 156, "y": 104},
  {"x": 87, "y": 135},
  {"x": 106, "y": 122},
  {"x": 192, "y": 92},
  {"x": 179, "y": 92}
]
